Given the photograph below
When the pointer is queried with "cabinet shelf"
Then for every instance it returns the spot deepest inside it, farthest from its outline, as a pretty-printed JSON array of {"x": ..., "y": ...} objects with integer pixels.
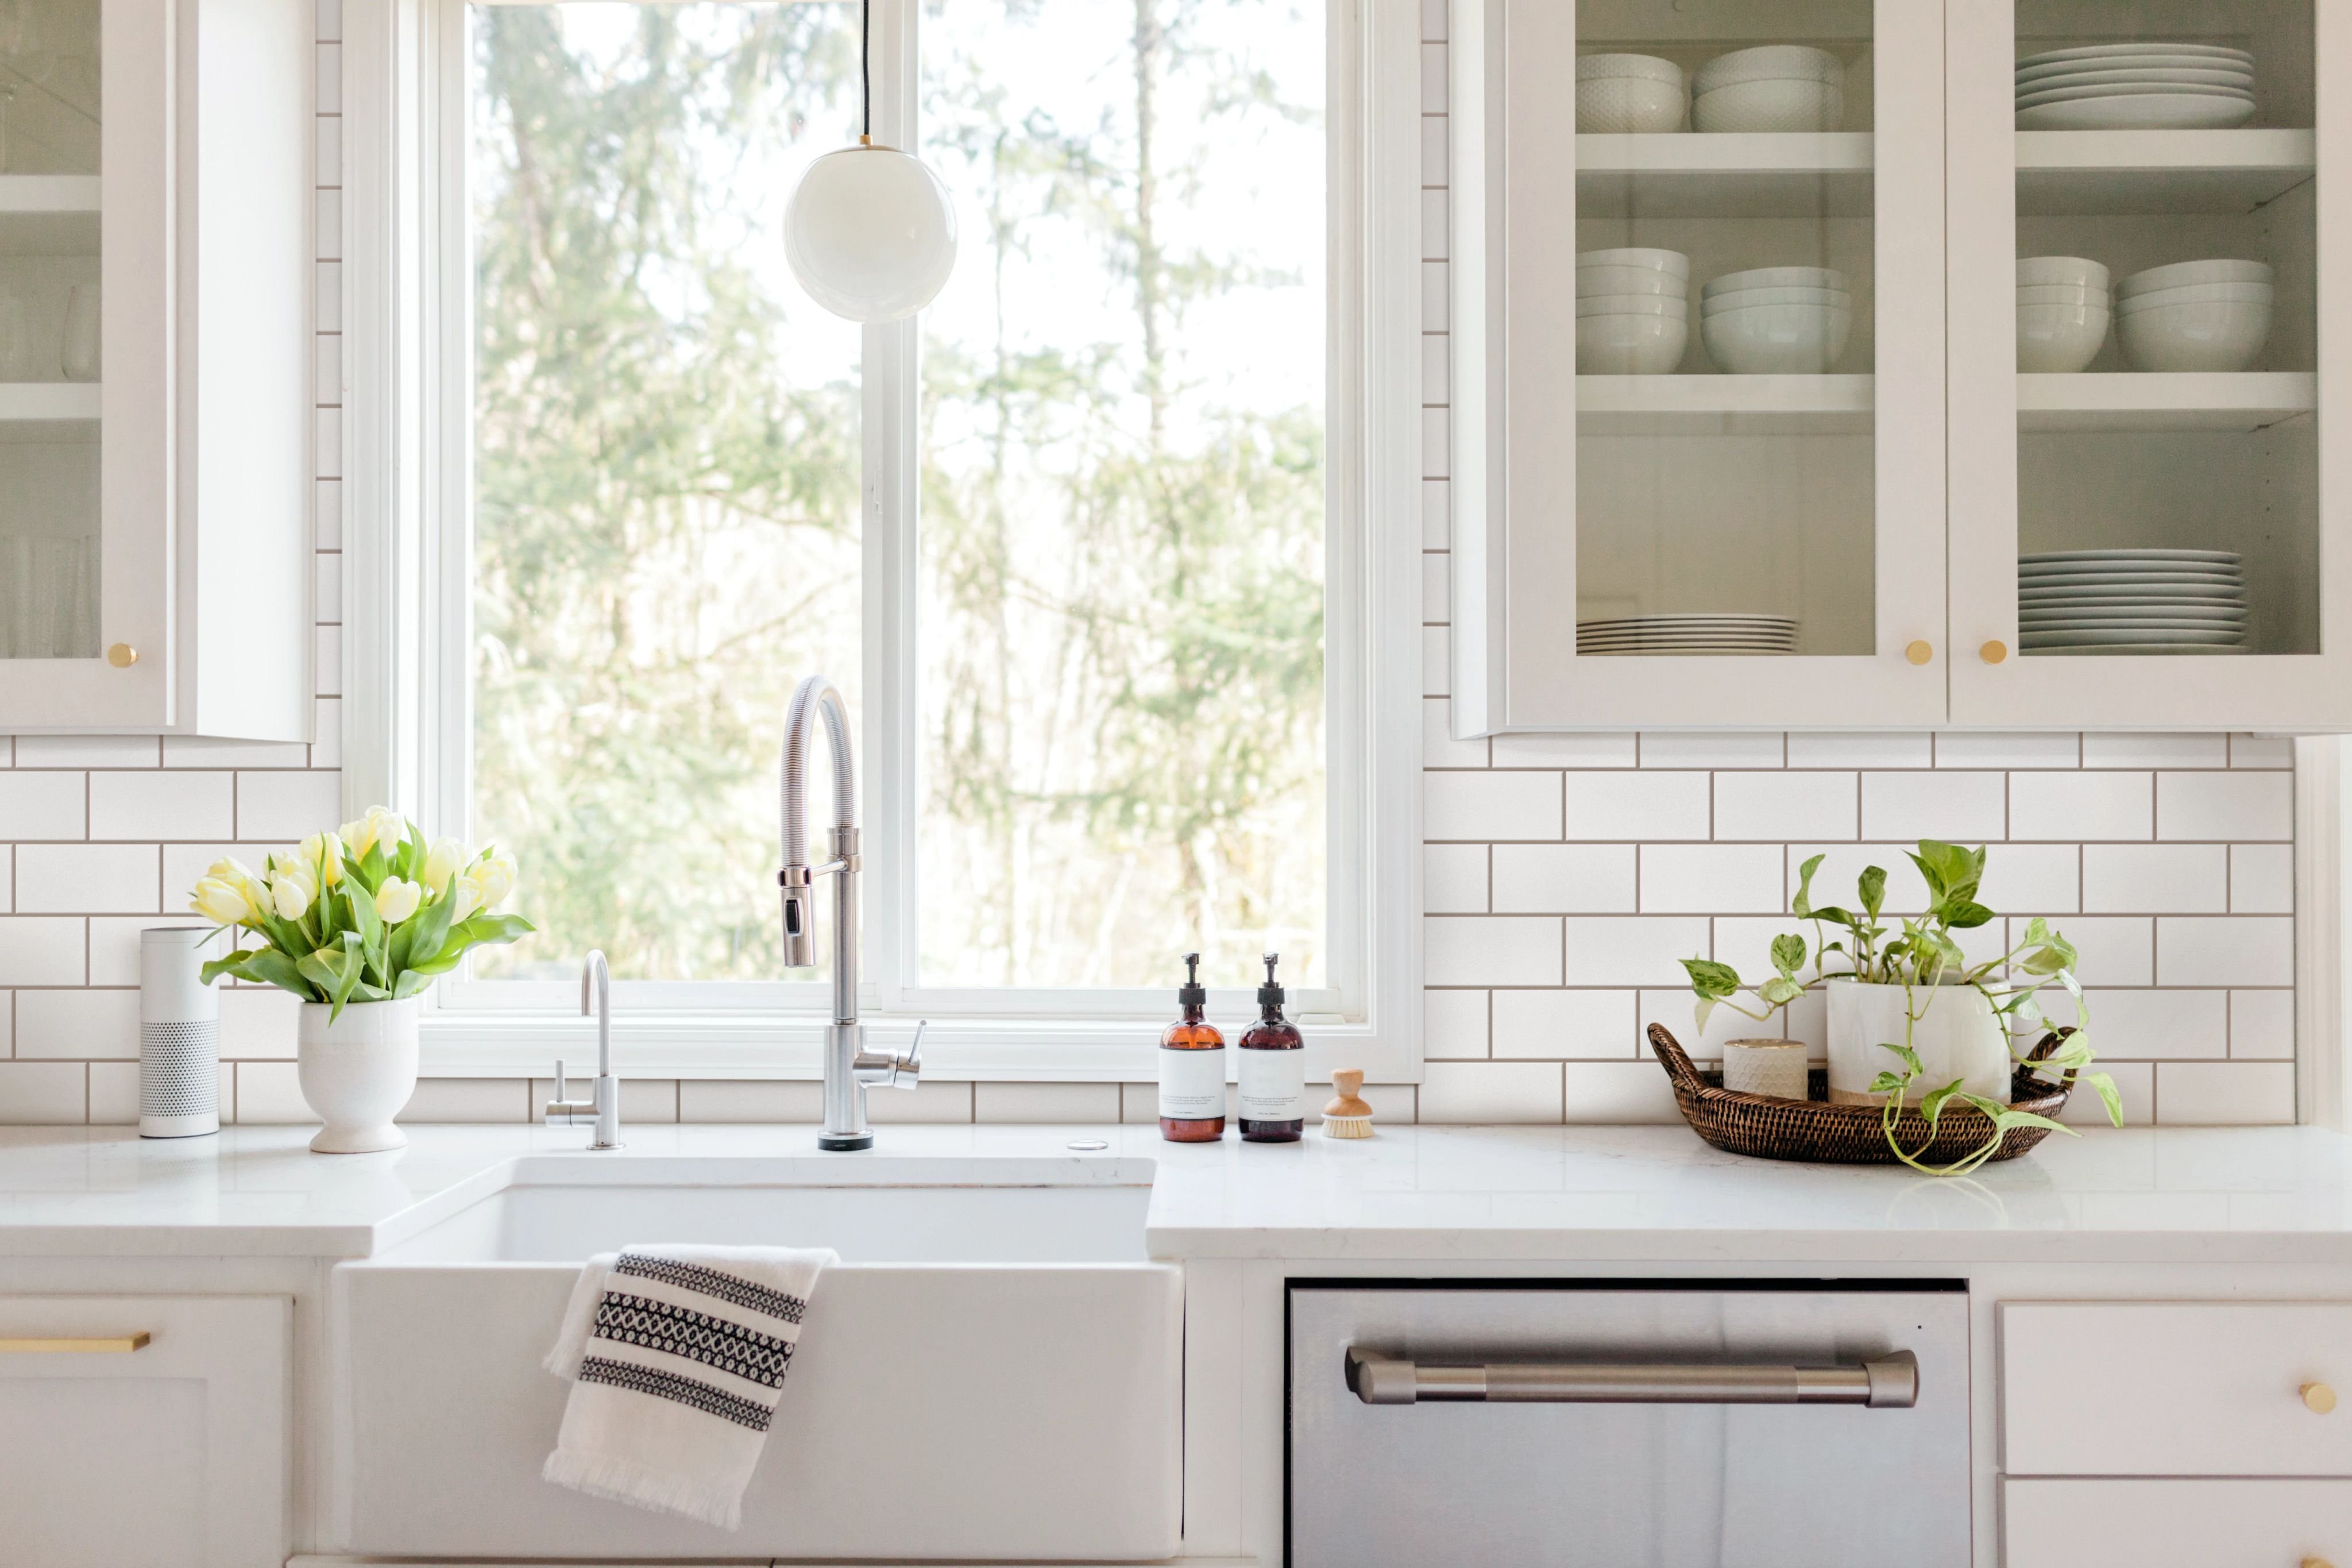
[
  {"x": 2114, "y": 172},
  {"x": 48, "y": 215},
  {"x": 1686, "y": 174},
  {"x": 2157, "y": 401},
  {"x": 1724, "y": 405},
  {"x": 45, "y": 402}
]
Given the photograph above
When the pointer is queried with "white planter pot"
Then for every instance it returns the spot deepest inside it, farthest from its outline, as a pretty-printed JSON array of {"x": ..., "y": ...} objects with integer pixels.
[
  {"x": 358, "y": 1072},
  {"x": 1957, "y": 1034}
]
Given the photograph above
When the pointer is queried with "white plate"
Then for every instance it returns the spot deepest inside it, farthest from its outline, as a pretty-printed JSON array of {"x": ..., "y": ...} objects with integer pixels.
[
  {"x": 2060, "y": 569},
  {"x": 2192, "y": 593},
  {"x": 1693, "y": 618},
  {"x": 2241, "y": 81},
  {"x": 2040, "y": 96},
  {"x": 2155, "y": 111},
  {"x": 2027, "y": 75},
  {"x": 2218, "y": 580},
  {"x": 2051, "y": 557},
  {"x": 1726, "y": 644},
  {"x": 2157, "y": 630},
  {"x": 2134, "y": 48},
  {"x": 2121, "y": 650},
  {"x": 1685, "y": 652},
  {"x": 1693, "y": 638},
  {"x": 2044, "y": 615},
  {"x": 2093, "y": 636}
]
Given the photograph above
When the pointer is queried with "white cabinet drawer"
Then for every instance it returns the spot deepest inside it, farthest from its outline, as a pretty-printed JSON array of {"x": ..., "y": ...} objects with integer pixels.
[
  {"x": 2173, "y": 1388},
  {"x": 2175, "y": 1524}
]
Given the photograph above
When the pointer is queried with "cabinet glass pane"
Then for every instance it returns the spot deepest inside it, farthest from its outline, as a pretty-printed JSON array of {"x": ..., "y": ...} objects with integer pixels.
[
  {"x": 1725, "y": 394},
  {"x": 2167, "y": 289},
  {"x": 49, "y": 329}
]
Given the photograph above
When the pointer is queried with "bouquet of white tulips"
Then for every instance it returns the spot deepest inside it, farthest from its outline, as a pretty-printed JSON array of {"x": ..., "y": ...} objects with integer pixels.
[{"x": 371, "y": 913}]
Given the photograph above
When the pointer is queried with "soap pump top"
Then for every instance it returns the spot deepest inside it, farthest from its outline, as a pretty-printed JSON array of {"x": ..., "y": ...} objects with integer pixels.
[
  {"x": 1270, "y": 994},
  {"x": 1192, "y": 996}
]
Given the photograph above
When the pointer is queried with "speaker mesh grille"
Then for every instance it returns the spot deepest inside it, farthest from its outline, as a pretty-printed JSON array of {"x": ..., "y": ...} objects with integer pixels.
[{"x": 179, "y": 1068}]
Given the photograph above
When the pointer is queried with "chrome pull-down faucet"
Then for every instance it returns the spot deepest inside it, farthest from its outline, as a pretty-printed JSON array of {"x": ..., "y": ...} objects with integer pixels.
[
  {"x": 607, "y": 1106},
  {"x": 849, "y": 1067}
]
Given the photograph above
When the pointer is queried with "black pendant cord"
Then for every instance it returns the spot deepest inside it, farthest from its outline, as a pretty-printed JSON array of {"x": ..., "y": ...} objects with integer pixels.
[{"x": 865, "y": 69}]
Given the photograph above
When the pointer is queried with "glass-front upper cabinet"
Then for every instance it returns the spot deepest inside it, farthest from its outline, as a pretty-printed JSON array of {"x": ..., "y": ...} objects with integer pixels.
[
  {"x": 1727, "y": 218},
  {"x": 2141, "y": 413}
]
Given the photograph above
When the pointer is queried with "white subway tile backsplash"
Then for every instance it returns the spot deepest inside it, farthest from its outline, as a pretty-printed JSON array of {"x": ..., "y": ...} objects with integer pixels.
[
  {"x": 1642, "y": 949},
  {"x": 1433, "y": 151},
  {"x": 2261, "y": 1024},
  {"x": 2156, "y": 879},
  {"x": 1433, "y": 368},
  {"x": 79, "y": 1025},
  {"x": 1433, "y": 304},
  {"x": 653, "y": 1101},
  {"x": 270, "y": 1094},
  {"x": 1677, "y": 1009},
  {"x": 1436, "y": 662},
  {"x": 114, "y": 946},
  {"x": 1433, "y": 588},
  {"x": 1491, "y": 1091},
  {"x": 43, "y": 806},
  {"x": 1490, "y": 950},
  {"x": 1584, "y": 749},
  {"x": 1433, "y": 79},
  {"x": 2173, "y": 1025},
  {"x": 1638, "y": 805},
  {"x": 1436, "y": 443},
  {"x": 1861, "y": 749},
  {"x": 1433, "y": 233},
  {"x": 114, "y": 1094},
  {"x": 42, "y": 951},
  {"x": 2127, "y": 750},
  {"x": 1618, "y": 1091},
  {"x": 259, "y": 1021},
  {"x": 88, "y": 878},
  {"x": 2225, "y": 1094},
  {"x": 2262, "y": 878},
  {"x": 1436, "y": 524},
  {"x": 284, "y": 808},
  {"x": 87, "y": 751},
  {"x": 754, "y": 1099},
  {"x": 1565, "y": 1024},
  {"x": 1777, "y": 807},
  {"x": 2134, "y": 1086},
  {"x": 1706, "y": 878},
  {"x": 331, "y": 22},
  {"x": 201, "y": 752},
  {"x": 2225, "y": 806},
  {"x": 2011, "y": 748},
  {"x": 167, "y": 805},
  {"x": 1454, "y": 1023},
  {"x": 1836, "y": 879},
  {"x": 1046, "y": 1102},
  {"x": 1957, "y": 808},
  {"x": 2114, "y": 949},
  {"x": 1565, "y": 879},
  {"x": 2045, "y": 876},
  {"x": 327, "y": 660},
  {"x": 468, "y": 1099},
  {"x": 1713, "y": 749},
  {"x": 327, "y": 514},
  {"x": 2077, "y": 807},
  {"x": 40, "y": 1094},
  {"x": 1439, "y": 749},
  {"x": 1433, "y": 25},
  {"x": 1453, "y": 879},
  {"x": 327, "y": 733},
  {"x": 2225, "y": 950},
  {"x": 1490, "y": 806}
]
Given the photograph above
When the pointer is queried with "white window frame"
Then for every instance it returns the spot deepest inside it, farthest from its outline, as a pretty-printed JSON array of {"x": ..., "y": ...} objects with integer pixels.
[{"x": 407, "y": 501}]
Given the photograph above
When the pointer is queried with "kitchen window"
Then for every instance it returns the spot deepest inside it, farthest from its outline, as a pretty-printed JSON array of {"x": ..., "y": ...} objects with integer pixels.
[{"x": 1113, "y": 549}]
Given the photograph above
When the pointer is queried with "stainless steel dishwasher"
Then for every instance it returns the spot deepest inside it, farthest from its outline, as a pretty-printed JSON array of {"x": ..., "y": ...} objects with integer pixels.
[{"x": 1627, "y": 1424}]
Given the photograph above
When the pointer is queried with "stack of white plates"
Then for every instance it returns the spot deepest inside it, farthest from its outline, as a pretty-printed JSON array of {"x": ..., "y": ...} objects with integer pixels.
[
  {"x": 1714, "y": 635},
  {"x": 1632, "y": 310},
  {"x": 2136, "y": 87},
  {"x": 2131, "y": 601},
  {"x": 1774, "y": 88}
]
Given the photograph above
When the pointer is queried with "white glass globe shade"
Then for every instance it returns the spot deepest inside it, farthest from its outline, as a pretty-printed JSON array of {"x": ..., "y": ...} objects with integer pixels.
[{"x": 870, "y": 234}]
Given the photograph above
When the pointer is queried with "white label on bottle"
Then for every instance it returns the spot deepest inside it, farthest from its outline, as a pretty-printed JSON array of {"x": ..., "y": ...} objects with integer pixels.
[
  {"x": 1274, "y": 1086},
  {"x": 1192, "y": 1083}
]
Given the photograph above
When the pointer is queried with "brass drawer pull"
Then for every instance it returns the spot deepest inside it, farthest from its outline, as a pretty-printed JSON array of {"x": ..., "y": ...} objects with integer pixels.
[
  {"x": 2318, "y": 1398},
  {"x": 111, "y": 1344}
]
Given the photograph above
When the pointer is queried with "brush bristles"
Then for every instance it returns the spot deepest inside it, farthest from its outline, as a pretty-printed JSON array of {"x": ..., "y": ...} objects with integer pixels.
[{"x": 1347, "y": 1127}]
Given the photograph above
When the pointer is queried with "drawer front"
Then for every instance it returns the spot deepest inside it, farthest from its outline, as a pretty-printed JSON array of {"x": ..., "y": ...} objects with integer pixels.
[
  {"x": 2173, "y": 1388},
  {"x": 2175, "y": 1524}
]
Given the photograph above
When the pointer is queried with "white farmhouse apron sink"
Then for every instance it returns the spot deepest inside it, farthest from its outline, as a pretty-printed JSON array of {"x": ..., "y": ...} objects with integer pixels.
[{"x": 994, "y": 1370}]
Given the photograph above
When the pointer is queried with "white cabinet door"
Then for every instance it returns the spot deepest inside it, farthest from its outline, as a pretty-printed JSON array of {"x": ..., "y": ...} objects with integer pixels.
[
  {"x": 2146, "y": 527},
  {"x": 1735, "y": 519},
  {"x": 2175, "y": 1524},
  {"x": 172, "y": 1455}
]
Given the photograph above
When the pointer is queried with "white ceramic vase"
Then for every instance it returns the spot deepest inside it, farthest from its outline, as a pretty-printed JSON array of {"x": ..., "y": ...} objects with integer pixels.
[
  {"x": 1957, "y": 1034},
  {"x": 357, "y": 1072}
]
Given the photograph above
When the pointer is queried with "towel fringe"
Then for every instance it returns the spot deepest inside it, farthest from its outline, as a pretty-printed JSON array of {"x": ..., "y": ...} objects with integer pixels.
[{"x": 623, "y": 1480}]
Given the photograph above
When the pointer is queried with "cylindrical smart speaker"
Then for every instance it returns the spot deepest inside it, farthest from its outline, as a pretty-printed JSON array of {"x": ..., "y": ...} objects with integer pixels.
[{"x": 178, "y": 1036}]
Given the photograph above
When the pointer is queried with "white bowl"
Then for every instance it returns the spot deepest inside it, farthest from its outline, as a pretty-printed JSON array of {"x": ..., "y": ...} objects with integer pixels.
[
  {"x": 2059, "y": 340},
  {"x": 1630, "y": 345},
  {"x": 1628, "y": 281},
  {"x": 2176, "y": 111},
  {"x": 1629, "y": 106},
  {"x": 2062, "y": 294},
  {"x": 1775, "y": 105},
  {"x": 1588, "y": 67},
  {"x": 2199, "y": 294},
  {"x": 1775, "y": 277},
  {"x": 1673, "y": 261},
  {"x": 2180, "y": 274},
  {"x": 2223, "y": 335},
  {"x": 2032, "y": 269},
  {"x": 1776, "y": 340},
  {"x": 1632, "y": 305},
  {"x": 1770, "y": 62},
  {"x": 1748, "y": 298}
]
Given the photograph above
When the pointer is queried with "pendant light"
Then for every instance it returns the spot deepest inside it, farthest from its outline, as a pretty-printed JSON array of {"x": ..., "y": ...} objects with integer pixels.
[{"x": 870, "y": 233}]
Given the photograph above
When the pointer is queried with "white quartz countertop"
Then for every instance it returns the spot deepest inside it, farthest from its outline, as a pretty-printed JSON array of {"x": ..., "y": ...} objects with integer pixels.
[{"x": 1501, "y": 1193}]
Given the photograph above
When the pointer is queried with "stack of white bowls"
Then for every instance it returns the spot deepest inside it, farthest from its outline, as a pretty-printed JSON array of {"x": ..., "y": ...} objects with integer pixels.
[
  {"x": 1719, "y": 635},
  {"x": 2131, "y": 601},
  {"x": 2136, "y": 87},
  {"x": 2195, "y": 315},
  {"x": 1776, "y": 320},
  {"x": 1777, "y": 87},
  {"x": 2063, "y": 308},
  {"x": 1633, "y": 312},
  {"x": 1623, "y": 95}
]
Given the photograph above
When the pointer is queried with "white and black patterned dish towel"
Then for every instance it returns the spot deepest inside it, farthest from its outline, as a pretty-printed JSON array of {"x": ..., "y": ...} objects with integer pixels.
[{"x": 677, "y": 1355}]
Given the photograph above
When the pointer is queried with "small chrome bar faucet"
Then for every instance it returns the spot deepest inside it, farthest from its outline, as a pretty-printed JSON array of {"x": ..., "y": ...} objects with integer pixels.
[
  {"x": 605, "y": 1108},
  {"x": 850, "y": 1068}
]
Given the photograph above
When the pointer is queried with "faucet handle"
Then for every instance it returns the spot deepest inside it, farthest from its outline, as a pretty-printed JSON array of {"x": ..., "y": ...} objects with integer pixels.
[
  {"x": 559, "y": 1080},
  {"x": 911, "y": 1065}
]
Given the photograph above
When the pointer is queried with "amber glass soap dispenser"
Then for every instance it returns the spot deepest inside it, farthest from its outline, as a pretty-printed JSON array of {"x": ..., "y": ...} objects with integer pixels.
[
  {"x": 1193, "y": 1068},
  {"x": 1273, "y": 1069}
]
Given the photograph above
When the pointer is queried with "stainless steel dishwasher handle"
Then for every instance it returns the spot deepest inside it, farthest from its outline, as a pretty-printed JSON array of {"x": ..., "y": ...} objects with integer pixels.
[{"x": 1890, "y": 1382}]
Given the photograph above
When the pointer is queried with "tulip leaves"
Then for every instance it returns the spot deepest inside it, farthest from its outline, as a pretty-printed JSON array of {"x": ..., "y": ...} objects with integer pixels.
[{"x": 367, "y": 928}]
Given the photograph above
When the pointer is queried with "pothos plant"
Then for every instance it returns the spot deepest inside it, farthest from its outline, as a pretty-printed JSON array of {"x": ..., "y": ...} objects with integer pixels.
[
  {"x": 369, "y": 913},
  {"x": 1921, "y": 956}
]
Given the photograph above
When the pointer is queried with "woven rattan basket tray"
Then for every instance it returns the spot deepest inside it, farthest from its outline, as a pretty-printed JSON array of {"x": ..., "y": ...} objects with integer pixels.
[{"x": 1815, "y": 1130}]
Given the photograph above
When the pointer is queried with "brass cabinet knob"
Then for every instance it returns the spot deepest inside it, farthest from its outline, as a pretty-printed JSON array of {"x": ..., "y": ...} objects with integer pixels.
[
  {"x": 2317, "y": 1562},
  {"x": 2318, "y": 1398},
  {"x": 122, "y": 655},
  {"x": 1994, "y": 651},
  {"x": 1920, "y": 652}
]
